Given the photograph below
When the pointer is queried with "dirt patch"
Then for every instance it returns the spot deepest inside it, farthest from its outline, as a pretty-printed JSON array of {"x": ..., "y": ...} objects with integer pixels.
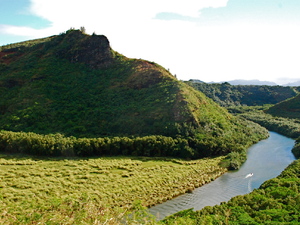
[{"x": 7, "y": 57}]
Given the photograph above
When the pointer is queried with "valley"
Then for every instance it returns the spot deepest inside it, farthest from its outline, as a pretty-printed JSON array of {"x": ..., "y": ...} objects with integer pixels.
[{"x": 90, "y": 136}]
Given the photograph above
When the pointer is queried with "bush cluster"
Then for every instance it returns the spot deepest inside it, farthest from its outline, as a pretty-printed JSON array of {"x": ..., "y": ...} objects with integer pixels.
[
  {"x": 296, "y": 148},
  {"x": 281, "y": 125},
  {"x": 59, "y": 145},
  {"x": 153, "y": 145}
]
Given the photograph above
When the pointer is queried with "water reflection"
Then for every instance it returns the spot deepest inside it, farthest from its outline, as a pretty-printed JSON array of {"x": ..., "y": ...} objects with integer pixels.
[{"x": 266, "y": 160}]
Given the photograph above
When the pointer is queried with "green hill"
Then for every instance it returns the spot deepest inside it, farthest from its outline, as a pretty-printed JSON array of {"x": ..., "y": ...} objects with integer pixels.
[
  {"x": 76, "y": 85},
  {"x": 226, "y": 94},
  {"x": 289, "y": 108}
]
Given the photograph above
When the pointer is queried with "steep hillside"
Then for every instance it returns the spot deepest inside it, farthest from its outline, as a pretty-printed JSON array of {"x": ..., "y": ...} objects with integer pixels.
[
  {"x": 230, "y": 95},
  {"x": 289, "y": 108},
  {"x": 75, "y": 84}
]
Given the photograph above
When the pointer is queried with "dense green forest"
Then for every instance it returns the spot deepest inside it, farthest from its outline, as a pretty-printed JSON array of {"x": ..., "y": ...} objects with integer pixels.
[
  {"x": 277, "y": 201},
  {"x": 226, "y": 94},
  {"x": 154, "y": 145},
  {"x": 74, "y": 84}
]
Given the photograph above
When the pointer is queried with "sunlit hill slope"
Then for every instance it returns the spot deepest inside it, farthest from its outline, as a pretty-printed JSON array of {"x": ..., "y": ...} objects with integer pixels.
[
  {"x": 75, "y": 84},
  {"x": 289, "y": 108}
]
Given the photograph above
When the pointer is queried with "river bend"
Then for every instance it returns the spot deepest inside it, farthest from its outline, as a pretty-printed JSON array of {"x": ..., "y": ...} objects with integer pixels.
[{"x": 266, "y": 160}]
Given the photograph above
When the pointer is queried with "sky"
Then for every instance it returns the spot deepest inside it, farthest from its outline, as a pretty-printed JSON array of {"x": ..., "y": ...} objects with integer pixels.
[{"x": 209, "y": 40}]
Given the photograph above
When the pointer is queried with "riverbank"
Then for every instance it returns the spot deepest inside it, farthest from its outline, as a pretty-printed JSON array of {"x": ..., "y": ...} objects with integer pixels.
[
  {"x": 266, "y": 160},
  {"x": 86, "y": 190},
  {"x": 277, "y": 201}
]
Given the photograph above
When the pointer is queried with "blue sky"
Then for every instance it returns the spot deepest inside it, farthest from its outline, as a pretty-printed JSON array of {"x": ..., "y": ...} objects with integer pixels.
[
  {"x": 17, "y": 13},
  {"x": 210, "y": 40}
]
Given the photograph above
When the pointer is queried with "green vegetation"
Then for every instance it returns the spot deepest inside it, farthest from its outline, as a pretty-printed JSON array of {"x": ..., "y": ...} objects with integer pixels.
[
  {"x": 93, "y": 190},
  {"x": 22, "y": 45},
  {"x": 283, "y": 118},
  {"x": 277, "y": 201},
  {"x": 226, "y": 94},
  {"x": 285, "y": 126},
  {"x": 72, "y": 96},
  {"x": 234, "y": 160},
  {"x": 296, "y": 149},
  {"x": 58, "y": 145},
  {"x": 289, "y": 108},
  {"x": 157, "y": 146},
  {"x": 74, "y": 84},
  {"x": 281, "y": 125}
]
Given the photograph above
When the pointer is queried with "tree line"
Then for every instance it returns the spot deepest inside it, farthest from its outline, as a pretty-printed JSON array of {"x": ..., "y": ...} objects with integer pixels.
[{"x": 153, "y": 145}]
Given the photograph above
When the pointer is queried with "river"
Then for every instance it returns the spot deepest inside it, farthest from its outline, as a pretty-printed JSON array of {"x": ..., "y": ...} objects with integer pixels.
[{"x": 266, "y": 160}]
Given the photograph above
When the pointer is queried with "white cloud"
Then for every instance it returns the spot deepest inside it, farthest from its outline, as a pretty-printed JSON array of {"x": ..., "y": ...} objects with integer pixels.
[
  {"x": 119, "y": 8},
  {"x": 204, "y": 49}
]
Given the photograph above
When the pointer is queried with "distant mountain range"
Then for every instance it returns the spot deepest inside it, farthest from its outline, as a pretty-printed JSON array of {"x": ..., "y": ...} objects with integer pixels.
[
  {"x": 249, "y": 82},
  {"x": 296, "y": 83}
]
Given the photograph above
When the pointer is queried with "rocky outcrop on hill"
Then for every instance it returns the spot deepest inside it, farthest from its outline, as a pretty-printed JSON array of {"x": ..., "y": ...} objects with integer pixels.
[{"x": 93, "y": 50}]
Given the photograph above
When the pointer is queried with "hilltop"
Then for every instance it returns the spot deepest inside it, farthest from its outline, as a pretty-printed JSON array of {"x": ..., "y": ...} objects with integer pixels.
[{"x": 76, "y": 85}]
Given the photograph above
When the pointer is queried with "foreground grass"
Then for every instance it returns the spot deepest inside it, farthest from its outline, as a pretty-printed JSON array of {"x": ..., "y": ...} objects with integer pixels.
[{"x": 93, "y": 190}]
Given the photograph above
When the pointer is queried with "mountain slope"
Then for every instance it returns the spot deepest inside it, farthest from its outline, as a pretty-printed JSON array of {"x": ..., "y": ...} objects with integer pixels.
[
  {"x": 75, "y": 84},
  {"x": 289, "y": 108}
]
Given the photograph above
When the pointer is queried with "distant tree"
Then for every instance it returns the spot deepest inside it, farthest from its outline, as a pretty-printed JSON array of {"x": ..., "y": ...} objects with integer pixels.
[{"x": 83, "y": 30}]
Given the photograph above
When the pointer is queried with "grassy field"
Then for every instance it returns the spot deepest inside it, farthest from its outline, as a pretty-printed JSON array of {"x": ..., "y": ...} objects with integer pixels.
[{"x": 93, "y": 190}]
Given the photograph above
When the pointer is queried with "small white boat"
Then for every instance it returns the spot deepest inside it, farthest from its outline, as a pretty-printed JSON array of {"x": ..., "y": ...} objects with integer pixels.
[{"x": 249, "y": 175}]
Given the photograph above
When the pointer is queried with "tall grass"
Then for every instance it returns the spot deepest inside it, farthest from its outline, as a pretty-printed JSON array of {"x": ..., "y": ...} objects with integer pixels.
[{"x": 93, "y": 190}]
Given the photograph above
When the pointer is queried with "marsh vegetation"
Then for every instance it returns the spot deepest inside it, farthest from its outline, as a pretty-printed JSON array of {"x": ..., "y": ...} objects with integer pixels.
[{"x": 93, "y": 190}]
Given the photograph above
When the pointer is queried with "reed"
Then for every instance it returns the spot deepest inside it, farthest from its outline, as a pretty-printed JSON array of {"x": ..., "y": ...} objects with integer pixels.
[{"x": 93, "y": 190}]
